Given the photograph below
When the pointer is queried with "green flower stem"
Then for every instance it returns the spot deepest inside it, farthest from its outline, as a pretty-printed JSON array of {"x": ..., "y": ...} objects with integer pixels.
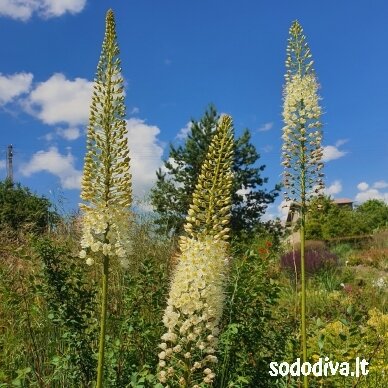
[
  {"x": 302, "y": 252},
  {"x": 303, "y": 302},
  {"x": 301, "y": 151},
  {"x": 104, "y": 303}
]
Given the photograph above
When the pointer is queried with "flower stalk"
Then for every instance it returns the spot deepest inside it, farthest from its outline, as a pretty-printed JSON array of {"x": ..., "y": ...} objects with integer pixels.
[
  {"x": 106, "y": 182},
  {"x": 301, "y": 151}
]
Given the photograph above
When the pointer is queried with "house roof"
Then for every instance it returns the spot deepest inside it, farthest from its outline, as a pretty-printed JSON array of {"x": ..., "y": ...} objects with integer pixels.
[{"x": 342, "y": 200}]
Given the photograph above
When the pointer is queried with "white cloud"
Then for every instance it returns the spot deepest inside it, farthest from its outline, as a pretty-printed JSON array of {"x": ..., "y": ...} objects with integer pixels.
[
  {"x": 367, "y": 192},
  {"x": 24, "y": 9},
  {"x": 164, "y": 170},
  {"x": 332, "y": 152},
  {"x": 243, "y": 192},
  {"x": 268, "y": 215},
  {"x": 135, "y": 110},
  {"x": 363, "y": 186},
  {"x": 341, "y": 142},
  {"x": 268, "y": 148},
  {"x": 59, "y": 100},
  {"x": 371, "y": 194},
  {"x": 334, "y": 188},
  {"x": 380, "y": 185},
  {"x": 173, "y": 163},
  {"x": 2, "y": 165},
  {"x": 265, "y": 127},
  {"x": 184, "y": 132},
  {"x": 53, "y": 162},
  {"x": 72, "y": 133},
  {"x": 145, "y": 152},
  {"x": 283, "y": 209},
  {"x": 14, "y": 85},
  {"x": 54, "y": 8}
]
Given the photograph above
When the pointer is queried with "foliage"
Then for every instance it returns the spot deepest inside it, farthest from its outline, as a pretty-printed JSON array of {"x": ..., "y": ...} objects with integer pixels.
[
  {"x": 253, "y": 331},
  {"x": 44, "y": 311},
  {"x": 137, "y": 301},
  {"x": 354, "y": 335},
  {"x": 71, "y": 304},
  {"x": 174, "y": 188},
  {"x": 374, "y": 257},
  {"x": 21, "y": 208},
  {"x": 373, "y": 214},
  {"x": 327, "y": 220}
]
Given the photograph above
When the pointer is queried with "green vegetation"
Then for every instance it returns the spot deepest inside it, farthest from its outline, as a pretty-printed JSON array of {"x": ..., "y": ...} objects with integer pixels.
[
  {"x": 49, "y": 324},
  {"x": 326, "y": 220},
  {"x": 19, "y": 208}
]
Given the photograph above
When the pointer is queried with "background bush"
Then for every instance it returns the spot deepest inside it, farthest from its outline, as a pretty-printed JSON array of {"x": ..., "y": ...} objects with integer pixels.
[{"x": 21, "y": 208}]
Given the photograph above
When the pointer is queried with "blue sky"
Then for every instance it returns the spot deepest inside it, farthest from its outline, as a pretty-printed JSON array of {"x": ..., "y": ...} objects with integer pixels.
[{"x": 177, "y": 57}]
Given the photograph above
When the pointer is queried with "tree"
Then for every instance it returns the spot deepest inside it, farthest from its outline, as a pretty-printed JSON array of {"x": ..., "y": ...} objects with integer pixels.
[
  {"x": 172, "y": 194},
  {"x": 301, "y": 151},
  {"x": 19, "y": 207},
  {"x": 325, "y": 220},
  {"x": 106, "y": 182},
  {"x": 316, "y": 217},
  {"x": 373, "y": 214}
]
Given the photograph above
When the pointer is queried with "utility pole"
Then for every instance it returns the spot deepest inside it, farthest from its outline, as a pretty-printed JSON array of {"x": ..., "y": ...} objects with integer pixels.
[{"x": 9, "y": 163}]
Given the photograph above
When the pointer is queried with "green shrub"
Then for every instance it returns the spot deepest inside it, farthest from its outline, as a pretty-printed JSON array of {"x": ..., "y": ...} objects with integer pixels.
[{"x": 20, "y": 208}]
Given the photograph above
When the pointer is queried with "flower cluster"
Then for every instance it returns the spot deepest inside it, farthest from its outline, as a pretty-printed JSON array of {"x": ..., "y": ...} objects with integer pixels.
[
  {"x": 193, "y": 312},
  {"x": 302, "y": 135},
  {"x": 106, "y": 231},
  {"x": 379, "y": 283}
]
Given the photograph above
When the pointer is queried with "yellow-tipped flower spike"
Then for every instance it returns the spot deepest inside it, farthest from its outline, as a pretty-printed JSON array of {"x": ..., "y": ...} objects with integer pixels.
[
  {"x": 106, "y": 182},
  {"x": 194, "y": 306},
  {"x": 212, "y": 191}
]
